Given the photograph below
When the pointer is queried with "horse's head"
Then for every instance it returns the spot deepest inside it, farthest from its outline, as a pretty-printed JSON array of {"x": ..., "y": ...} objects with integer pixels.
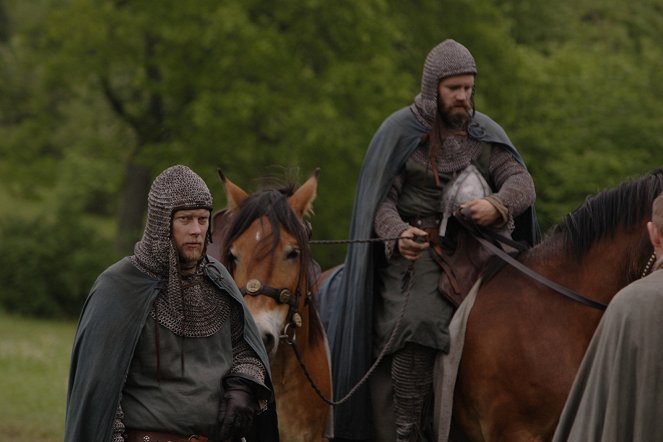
[{"x": 265, "y": 247}]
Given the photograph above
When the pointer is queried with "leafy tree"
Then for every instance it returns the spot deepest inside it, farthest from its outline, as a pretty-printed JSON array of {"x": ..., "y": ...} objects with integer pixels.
[
  {"x": 592, "y": 108},
  {"x": 49, "y": 264},
  {"x": 97, "y": 96}
]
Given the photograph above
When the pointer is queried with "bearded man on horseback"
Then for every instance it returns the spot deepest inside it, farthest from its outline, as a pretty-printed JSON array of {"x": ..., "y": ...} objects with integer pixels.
[{"x": 426, "y": 162}]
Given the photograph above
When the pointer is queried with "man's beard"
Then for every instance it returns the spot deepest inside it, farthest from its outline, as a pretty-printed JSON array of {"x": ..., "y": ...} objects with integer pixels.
[
  {"x": 189, "y": 258},
  {"x": 455, "y": 118}
]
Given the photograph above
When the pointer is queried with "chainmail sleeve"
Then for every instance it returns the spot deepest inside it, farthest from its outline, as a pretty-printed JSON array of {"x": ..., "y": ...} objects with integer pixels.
[
  {"x": 118, "y": 425},
  {"x": 515, "y": 184},
  {"x": 388, "y": 222},
  {"x": 246, "y": 363}
]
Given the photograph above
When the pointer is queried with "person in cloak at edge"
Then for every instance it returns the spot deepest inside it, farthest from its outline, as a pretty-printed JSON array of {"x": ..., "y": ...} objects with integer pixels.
[
  {"x": 616, "y": 395},
  {"x": 165, "y": 348},
  {"x": 413, "y": 179}
]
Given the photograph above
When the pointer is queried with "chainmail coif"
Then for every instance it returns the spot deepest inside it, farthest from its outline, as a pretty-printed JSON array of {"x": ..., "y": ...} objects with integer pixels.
[
  {"x": 447, "y": 59},
  {"x": 187, "y": 305}
]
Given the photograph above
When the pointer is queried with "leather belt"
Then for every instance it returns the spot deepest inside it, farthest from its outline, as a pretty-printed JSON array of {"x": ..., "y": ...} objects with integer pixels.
[
  {"x": 156, "y": 436},
  {"x": 424, "y": 223}
]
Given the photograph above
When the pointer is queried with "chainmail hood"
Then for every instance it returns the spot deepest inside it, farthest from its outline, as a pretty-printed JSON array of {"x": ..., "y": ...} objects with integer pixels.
[
  {"x": 176, "y": 188},
  {"x": 447, "y": 59},
  {"x": 188, "y": 306}
]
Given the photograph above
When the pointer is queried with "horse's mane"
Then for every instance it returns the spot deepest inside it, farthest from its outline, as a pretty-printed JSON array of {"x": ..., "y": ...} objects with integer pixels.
[
  {"x": 625, "y": 206},
  {"x": 271, "y": 203}
]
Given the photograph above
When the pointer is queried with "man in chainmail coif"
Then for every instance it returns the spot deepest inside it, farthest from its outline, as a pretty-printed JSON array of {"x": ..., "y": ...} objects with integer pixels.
[
  {"x": 426, "y": 163},
  {"x": 165, "y": 349}
]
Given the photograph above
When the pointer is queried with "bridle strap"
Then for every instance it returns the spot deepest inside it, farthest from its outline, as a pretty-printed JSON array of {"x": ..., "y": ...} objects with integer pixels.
[
  {"x": 255, "y": 287},
  {"x": 281, "y": 295},
  {"x": 480, "y": 236}
]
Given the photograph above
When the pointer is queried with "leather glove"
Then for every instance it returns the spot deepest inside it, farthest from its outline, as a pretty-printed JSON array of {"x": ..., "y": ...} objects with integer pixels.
[{"x": 238, "y": 407}]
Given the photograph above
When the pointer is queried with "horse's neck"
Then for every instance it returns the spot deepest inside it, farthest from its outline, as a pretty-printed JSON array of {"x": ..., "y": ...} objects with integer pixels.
[{"x": 603, "y": 270}]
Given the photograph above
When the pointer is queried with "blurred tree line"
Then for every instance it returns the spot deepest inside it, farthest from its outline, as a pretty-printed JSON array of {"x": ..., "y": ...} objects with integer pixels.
[{"x": 99, "y": 96}]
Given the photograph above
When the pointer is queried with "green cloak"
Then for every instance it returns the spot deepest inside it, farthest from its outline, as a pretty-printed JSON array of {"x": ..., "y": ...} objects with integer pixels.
[{"x": 112, "y": 320}]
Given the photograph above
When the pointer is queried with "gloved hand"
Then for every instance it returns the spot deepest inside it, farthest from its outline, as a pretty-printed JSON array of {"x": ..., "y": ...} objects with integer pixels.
[{"x": 238, "y": 407}]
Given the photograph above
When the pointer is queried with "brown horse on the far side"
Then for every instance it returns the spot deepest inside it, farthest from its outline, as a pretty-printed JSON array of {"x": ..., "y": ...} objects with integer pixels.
[{"x": 524, "y": 342}]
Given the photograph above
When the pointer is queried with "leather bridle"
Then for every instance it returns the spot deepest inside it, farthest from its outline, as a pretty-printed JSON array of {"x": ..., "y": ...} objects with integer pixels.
[{"x": 255, "y": 287}]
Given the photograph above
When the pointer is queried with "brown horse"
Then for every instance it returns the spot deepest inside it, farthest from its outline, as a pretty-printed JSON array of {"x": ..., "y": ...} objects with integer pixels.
[
  {"x": 263, "y": 241},
  {"x": 524, "y": 342}
]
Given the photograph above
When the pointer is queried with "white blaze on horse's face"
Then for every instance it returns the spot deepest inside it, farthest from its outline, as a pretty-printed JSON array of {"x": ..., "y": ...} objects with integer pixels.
[{"x": 254, "y": 261}]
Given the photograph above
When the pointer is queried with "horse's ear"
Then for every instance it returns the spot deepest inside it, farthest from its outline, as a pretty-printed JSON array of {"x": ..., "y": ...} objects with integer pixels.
[
  {"x": 234, "y": 194},
  {"x": 301, "y": 201}
]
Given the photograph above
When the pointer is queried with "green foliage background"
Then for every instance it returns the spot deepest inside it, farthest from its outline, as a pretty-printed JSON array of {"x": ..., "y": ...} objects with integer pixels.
[{"x": 98, "y": 96}]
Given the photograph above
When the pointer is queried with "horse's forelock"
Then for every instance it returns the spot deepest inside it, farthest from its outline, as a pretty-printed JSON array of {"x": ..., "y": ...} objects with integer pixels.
[
  {"x": 623, "y": 206},
  {"x": 272, "y": 204}
]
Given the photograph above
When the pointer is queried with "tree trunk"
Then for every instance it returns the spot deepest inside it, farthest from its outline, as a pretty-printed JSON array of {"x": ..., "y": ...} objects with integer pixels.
[
  {"x": 148, "y": 127},
  {"x": 133, "y": 206},
  {"x": 4, "y": 23}
]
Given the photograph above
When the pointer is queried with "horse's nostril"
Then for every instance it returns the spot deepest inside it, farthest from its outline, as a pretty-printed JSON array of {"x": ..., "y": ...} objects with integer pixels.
[{"x": 268, "y": 341}]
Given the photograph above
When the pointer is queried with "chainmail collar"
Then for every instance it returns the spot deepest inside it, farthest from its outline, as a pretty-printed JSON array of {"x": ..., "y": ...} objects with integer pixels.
[
  {"x": 195, "y": 310},
  {"x": 188, "y": 305},
  {"x": 456, "y": 154}
]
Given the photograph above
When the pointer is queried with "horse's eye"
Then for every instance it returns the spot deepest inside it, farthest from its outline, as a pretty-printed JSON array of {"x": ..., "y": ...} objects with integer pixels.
[
  {"x": 230, "y": 257},
  {"x": 292, "y": 254}
]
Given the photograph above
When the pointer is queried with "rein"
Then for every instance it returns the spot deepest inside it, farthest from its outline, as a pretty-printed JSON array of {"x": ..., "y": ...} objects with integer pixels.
[
  {"x": 407, "y": 285},
  {"x": 484, "y": 237}
]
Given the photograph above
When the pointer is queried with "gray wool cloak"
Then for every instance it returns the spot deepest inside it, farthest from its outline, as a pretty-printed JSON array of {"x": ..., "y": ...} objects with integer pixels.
[
  {"x": 346, "y": 298},
  {"x": 108, "y": 330},
  {"x": 617, "y": 394}
]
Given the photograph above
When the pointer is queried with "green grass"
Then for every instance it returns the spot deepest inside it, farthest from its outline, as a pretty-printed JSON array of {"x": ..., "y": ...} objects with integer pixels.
[{"x": 34, "y": 364}]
